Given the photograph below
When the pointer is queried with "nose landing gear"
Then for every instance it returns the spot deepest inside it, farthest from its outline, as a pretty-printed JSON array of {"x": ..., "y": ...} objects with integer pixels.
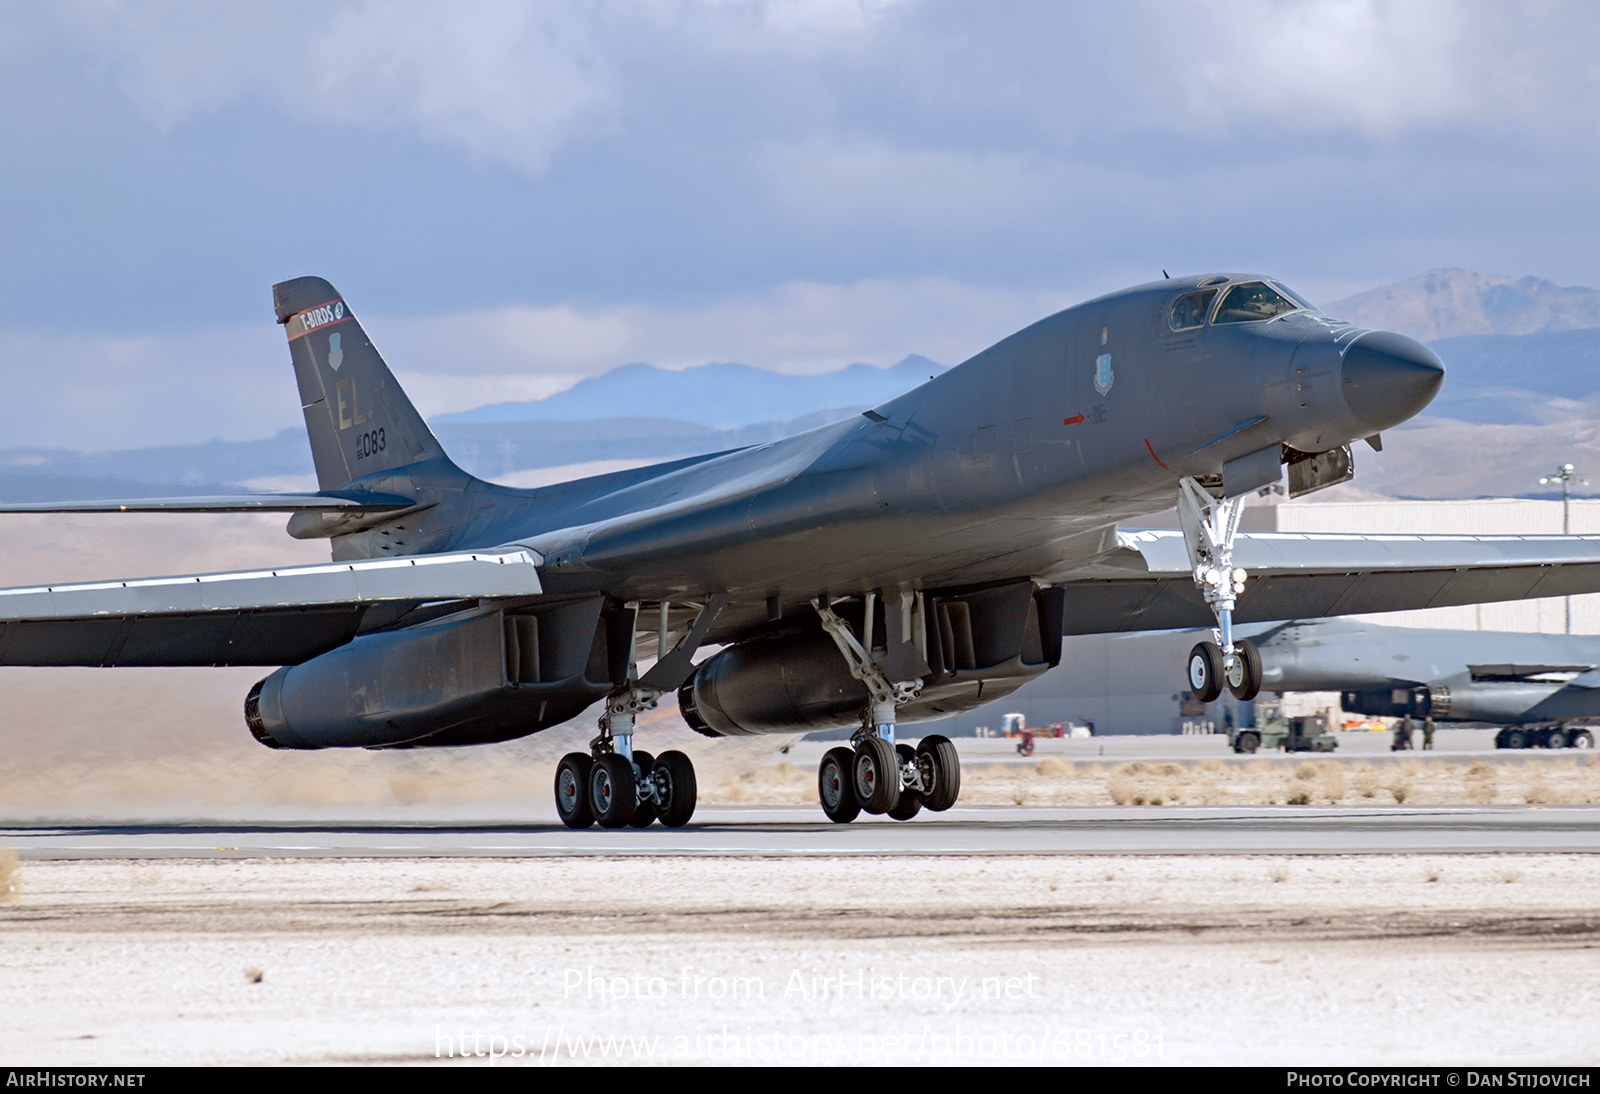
[{"x": 1210, "y": 525}]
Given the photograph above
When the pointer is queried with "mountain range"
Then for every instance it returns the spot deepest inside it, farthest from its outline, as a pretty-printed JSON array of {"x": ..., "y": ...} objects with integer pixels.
[
  {"x": 718, "y": 396},
  {"x": 1460, "y": 303}
]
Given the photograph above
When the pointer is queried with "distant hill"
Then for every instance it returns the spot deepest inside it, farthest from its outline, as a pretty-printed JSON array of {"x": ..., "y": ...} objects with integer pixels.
[
  {"x": 491, "y": 450},
  {"x": 717, "y": 396},
  {"x": 635, "y": 413},
  {"x": 1458, "y": 303},
  {"x": 1512, "y": 379}
]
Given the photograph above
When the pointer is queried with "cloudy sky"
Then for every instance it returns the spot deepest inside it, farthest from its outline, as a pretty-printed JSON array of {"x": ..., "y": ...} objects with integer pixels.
[{"x": 517, "y": 195}]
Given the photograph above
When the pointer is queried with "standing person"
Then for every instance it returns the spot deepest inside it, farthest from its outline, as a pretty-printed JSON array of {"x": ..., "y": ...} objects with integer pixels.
[
  {"x": 1427, "y": 734},
  {"x": 1402, "y": 735}
]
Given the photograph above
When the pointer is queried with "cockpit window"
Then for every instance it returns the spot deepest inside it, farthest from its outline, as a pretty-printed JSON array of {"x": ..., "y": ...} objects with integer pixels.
[
  {"x": 1252, "y": 302},
  {"x": 1189, "y": 310},
  {"x": 1296, "y": 297}
]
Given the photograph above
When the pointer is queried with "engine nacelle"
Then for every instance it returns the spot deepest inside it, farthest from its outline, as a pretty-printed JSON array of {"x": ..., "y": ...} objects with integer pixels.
[
  {"x": 467, "y": 678},
  {"x": 1508, "y": 702},
  {"x": 978, "y": 647}
]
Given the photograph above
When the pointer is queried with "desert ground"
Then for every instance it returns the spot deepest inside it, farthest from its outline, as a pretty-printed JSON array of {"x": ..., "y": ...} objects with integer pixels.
[{"x": 1456, "y": 960}]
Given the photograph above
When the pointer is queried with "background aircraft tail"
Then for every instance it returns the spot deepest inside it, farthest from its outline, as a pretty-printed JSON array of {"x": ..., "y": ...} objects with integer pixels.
[{"x": 359, "y": 420}]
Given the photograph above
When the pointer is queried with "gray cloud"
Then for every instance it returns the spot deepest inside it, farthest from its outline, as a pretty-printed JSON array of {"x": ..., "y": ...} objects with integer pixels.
[
  {"x": 527, "y": 194},
  {"x": 515, "y": 83}
]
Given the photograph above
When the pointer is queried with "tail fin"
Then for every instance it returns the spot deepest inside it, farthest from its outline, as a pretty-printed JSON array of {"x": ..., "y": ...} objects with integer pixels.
[{"x": 359, "y": 420}]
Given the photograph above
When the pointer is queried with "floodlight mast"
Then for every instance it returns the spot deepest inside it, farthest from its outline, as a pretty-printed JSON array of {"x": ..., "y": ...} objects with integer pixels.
[{"x": 1566, "y": 475}]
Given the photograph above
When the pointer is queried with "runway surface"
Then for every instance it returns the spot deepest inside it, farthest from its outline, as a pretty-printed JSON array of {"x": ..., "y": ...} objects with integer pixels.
[{"x": 798, "y": 832}]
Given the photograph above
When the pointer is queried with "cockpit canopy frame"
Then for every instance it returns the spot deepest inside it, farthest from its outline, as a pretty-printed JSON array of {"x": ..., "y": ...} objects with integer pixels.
[{"x": 1217, "y": 302}]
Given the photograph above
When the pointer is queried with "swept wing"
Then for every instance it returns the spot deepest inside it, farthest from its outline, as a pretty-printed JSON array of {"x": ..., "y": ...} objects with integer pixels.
[
  {"x": 253, "y": 617},
  {"x": 1145, "y": 584}
]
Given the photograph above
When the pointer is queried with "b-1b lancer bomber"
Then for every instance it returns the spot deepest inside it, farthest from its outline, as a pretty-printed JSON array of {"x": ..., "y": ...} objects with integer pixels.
[{"x": 907, "y": 563}]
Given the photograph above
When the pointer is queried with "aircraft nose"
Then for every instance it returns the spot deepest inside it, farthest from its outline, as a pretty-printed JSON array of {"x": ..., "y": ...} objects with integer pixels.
[{"x": 1389, "y": 378}]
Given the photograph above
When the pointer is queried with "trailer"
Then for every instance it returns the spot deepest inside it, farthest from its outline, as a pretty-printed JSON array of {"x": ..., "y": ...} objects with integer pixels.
[{"x": 1544, "y": 737}]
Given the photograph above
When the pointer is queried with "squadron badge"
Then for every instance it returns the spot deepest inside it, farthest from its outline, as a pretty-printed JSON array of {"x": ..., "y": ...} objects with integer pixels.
[{"x": 1103, "y": 376}]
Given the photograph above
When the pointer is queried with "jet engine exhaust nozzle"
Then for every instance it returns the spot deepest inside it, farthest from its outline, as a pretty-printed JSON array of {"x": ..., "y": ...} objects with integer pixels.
[{"x": 1389, "y": 378}]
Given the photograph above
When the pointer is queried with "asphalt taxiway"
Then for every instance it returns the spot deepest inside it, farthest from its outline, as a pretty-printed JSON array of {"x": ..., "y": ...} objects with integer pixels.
[{"x": 752, "y": 830}]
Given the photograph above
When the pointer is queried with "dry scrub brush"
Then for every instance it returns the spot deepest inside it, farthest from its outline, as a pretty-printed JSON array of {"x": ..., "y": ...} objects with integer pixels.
[{"x": 10, "y": 882}]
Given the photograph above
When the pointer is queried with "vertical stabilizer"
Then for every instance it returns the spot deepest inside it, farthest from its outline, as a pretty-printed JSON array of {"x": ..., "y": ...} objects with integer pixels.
[{"x": 359, "y": 421}]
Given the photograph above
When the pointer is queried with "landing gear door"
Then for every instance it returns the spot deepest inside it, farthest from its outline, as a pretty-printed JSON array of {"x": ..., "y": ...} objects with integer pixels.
[{"x": 1310, "y": 472}]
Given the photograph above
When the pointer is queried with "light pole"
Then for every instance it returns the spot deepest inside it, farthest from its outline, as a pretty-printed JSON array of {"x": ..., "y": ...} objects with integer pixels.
[{"x": 1566, "y": 476}]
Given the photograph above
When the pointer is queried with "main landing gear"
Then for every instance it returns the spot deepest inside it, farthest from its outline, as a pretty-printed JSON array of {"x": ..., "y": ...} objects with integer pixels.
[
  {"x": 1209, "y": 527},
  {"x": 878, "y": 775},
  {"x": 617, "y": 787},
  {"x": 900, "y": 781}
]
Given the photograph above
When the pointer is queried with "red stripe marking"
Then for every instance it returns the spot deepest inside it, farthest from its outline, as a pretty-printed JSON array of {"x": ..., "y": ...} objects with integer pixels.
[
  {"x": 348, "y": 314},
  {"x": 1153, "y": 455},
  {"x": 1074, "y": 420}
]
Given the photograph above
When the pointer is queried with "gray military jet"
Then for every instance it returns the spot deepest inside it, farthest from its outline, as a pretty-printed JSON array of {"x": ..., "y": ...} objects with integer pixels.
[
  {"x": 910, "y": 562},
  {"x": 1536, "y": 685}
]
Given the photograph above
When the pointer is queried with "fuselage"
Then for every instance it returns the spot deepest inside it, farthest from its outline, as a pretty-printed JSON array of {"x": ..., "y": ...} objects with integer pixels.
[
  {"x": 1472, "y": 676},
  {"x": 1015, "y": 463}
]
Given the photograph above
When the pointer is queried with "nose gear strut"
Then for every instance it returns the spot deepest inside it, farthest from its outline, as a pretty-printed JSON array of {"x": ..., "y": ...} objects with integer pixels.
[{"x": 1210, "y": 525}]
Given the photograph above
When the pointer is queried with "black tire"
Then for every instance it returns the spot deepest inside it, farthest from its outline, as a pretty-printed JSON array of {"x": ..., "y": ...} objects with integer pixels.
[
  {"x": 1249, "y": 674},
  {"x": 1500, "y": 739},
  {"x": 613, "y": 794},
  {"x": 572, "y": 790},
  {"x": 675, "y": 774},
  {"x": 1516, "y": 738},
  {"x": 1581, "y": 738},
  {"x": 644, "y": 814},
  {"x": 836, "y": 786},
  {"x": 910, "y": 803},
  {"x": 946, "y": 772},
  {"x": 1556, "y": 738},
  {"x": 1247, "y": 742},
  {"x": 1205, "y": 671},
  {"x": 876, "y": 775}
]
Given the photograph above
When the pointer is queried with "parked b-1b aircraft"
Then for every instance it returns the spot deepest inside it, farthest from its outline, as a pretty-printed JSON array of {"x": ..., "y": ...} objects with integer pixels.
[
  {"x": 910, "y": 562},
  {"x": 1539, "y": 686}
]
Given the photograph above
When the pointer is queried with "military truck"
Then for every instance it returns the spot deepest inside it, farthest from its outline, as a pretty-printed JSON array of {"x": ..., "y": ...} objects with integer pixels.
[{"x": 1302, "y": 733}]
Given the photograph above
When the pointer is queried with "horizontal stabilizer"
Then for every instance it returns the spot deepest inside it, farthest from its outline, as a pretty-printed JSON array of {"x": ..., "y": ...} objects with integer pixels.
[{"x": 331, "y": 502}]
